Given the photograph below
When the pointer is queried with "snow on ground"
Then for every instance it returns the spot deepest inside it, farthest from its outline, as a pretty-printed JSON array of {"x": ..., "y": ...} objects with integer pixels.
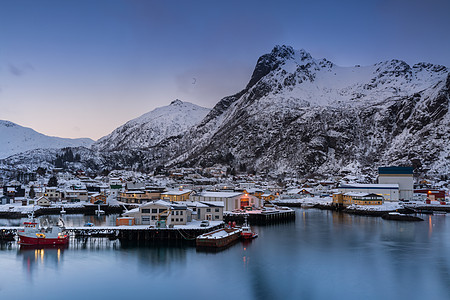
[
  {"x": 194, "y": 224},
  {"x": 386, "y": 206},
  {"x": 29, "y": 208},
  {"x": 306, "y": 200}
]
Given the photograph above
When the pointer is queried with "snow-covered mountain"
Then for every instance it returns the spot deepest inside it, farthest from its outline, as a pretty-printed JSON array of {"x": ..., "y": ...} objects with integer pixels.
[
  {"x": 303, "y": 115},
  {"x": 153, "y": 127},
  {"x": 299, "y": 115},
  {"x": 16, "y": 139}
]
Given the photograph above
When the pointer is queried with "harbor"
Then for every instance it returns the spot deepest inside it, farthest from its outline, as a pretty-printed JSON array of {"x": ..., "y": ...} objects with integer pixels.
[{"x": 309, "y": 252}]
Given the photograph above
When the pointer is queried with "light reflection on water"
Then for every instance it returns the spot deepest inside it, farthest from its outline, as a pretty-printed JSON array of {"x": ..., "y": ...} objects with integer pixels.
[{"x": 322, "y": 255}]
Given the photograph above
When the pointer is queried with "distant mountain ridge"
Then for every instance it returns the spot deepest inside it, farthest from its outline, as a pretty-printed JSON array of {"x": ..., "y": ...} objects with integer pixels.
[
  {"x": 301, "y": 115},
  {"x": 16, "y": 139},
  {"x": 153, "y": 127}
]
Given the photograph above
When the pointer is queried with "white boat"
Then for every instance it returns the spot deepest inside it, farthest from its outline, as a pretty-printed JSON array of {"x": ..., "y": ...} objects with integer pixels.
[{"x": 99, "y": 211}]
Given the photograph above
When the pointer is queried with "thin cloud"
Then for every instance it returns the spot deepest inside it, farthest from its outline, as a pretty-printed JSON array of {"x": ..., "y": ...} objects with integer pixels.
[{"x": 20, "y": 70}]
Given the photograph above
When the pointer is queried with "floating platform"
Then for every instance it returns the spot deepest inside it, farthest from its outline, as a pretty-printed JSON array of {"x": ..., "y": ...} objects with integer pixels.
[
  {"x": 400, "y": 217},
  {"x": 219, "y": 238}
]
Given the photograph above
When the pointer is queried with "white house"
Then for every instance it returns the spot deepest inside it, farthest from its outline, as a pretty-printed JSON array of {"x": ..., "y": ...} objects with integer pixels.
[
  {"x": 151, "y": 212},
  {"x": 212, "y": 211},
  {"x": 402, "y": 176},
  {"x": 231, "y": 200}
]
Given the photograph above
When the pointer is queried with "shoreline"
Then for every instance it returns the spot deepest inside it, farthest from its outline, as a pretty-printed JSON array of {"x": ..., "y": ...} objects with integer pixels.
[
  {"x": 81, "y": 209},
  {"x": 372, "y": 211}
]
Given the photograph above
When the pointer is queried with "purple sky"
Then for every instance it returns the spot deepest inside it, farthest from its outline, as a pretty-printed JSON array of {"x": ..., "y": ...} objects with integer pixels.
[{"x": 82, "y": 68}]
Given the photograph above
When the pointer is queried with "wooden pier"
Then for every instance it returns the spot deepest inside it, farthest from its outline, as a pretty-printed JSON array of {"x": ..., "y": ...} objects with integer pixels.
[
  {"x": 128, "y": 234},
  {"x": 87, "y": 209},
  {"x": 261, "y": 217}
]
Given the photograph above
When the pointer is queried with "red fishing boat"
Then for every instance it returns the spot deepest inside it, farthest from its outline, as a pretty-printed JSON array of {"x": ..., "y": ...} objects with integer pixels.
[
  {"x": 34, "y": 234},
  {"x": 247, "y": 232}
]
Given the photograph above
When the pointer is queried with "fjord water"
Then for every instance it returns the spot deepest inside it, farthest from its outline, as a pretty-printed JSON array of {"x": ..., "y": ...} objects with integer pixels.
[{"x": 322, "y": 255}]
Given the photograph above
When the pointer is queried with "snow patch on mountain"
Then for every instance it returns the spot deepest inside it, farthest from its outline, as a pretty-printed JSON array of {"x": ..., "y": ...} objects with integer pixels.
[{"x": 16, "y": 139}]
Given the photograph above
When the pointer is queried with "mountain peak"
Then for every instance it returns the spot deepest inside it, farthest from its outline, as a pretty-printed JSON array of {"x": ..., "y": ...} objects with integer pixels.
[
  {"x": 283, "y": 51},
  {"x": 152, "y": 127},
  {"x": 176, "y": 102}
]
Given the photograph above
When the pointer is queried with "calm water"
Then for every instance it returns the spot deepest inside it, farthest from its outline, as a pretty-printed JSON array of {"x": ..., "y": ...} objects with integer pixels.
[{"x": 322, "y": 255}]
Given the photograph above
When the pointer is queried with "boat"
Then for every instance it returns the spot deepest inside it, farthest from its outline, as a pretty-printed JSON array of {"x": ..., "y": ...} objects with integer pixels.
[
  {"x": 99, "y": 211},
  {"x": 247, "y": 232},
  {"x": 62, "y": 211},
  {"x": 35, "y": 235},
  {"x": 307, "y": 205},
  {"x": 219, "y": 238},
  {"x": 396, "y": 216}
]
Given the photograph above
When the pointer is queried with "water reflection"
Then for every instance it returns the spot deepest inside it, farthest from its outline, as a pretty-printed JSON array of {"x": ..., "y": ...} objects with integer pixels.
[
  {"x": 322, "y": 255},
  {"x": 32, "y": 256}
]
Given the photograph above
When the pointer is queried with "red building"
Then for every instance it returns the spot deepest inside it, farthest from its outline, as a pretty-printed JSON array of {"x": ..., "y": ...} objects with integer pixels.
[{"x": 432, "y": 194}]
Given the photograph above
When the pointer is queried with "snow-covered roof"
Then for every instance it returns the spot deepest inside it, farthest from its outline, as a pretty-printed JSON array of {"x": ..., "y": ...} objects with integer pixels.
[
  {"x": 370, "y": 186},
  {"x": 360, "y": 194},
  {"x": 213, "y": 203},
  {"x": 134, "y": 192},
  {"x": 131, "y": 211},
  {"x": 266, "y": 195},
  {"x": 254, "y": 190},
  {"x": 177, "y": 192},
  {"x": 219, "y": 194}
]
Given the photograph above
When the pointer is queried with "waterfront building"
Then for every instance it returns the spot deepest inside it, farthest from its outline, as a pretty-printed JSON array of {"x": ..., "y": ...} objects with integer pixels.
[
  {"x": 403, "y": 176},
  {"x": 176, "y": 195},
  {"x": 390, "y": 192},
  {"x": 139, "y": 195},
  {"x": 231, "y": 200},
  {"x": 212, "y": 211},
  {"x": 431, "y": 194},
  {"x": 338, "y": 199},
  {"x": 358, "y": 198},
  {"x": 153, "y": 212}
]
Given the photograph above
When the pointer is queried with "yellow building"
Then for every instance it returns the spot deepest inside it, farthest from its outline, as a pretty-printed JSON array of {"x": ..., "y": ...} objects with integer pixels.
[
  {"x": 139, "y": 196},
  {"x": 267, "y": 197},
  {"x": 361, "y": 199},
  {"x": 176, "y": 195},
  {"x": 338, "y": 198}
]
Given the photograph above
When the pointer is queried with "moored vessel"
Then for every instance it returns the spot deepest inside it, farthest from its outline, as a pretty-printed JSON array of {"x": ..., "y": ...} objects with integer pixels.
[
  {"x": 396, "y": 216},
  {"x": 247, "y": 232},
  {"x": 33, "y": 234},
  {"x": 219, "y": 238}
]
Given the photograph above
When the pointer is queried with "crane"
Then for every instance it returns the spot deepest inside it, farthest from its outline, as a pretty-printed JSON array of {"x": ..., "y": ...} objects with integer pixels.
[{"x": 162, "y": 223}]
